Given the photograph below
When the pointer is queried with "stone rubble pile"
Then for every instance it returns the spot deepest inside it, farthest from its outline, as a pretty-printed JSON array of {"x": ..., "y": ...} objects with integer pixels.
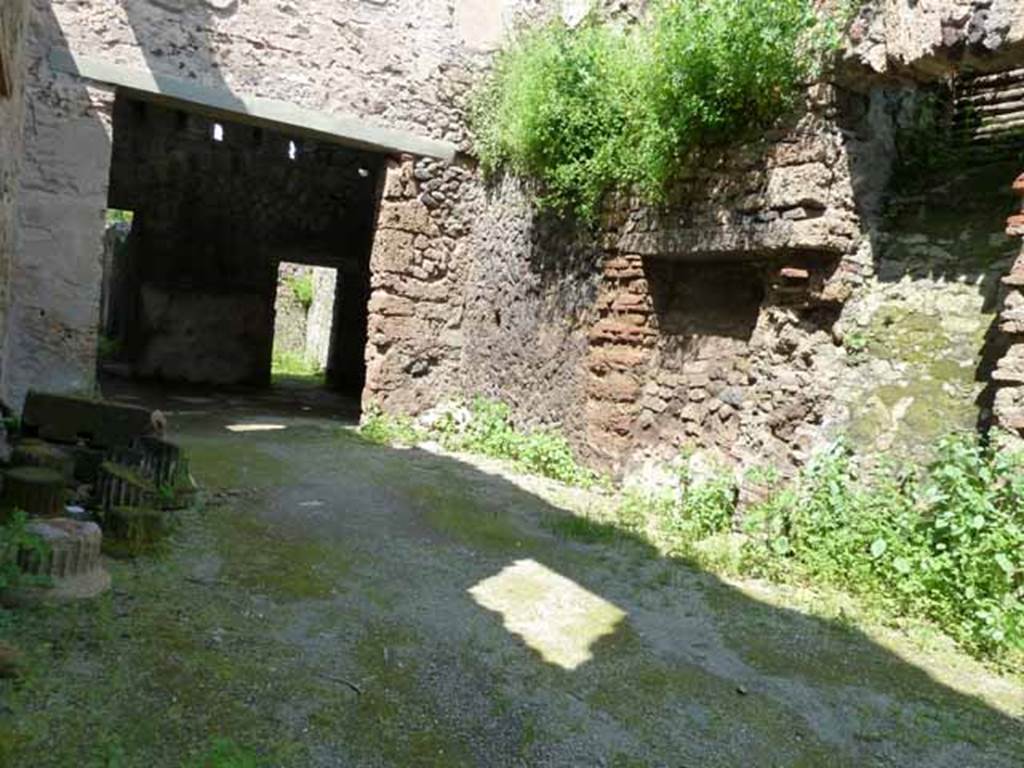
[{"x": 79, "y": 459}]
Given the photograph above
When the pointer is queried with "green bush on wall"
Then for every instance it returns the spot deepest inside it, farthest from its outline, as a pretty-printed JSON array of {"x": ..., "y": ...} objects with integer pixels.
[{"x": 587, "y": 110}]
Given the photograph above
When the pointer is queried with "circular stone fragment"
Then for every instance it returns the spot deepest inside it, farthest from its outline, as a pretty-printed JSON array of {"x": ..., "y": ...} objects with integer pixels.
[
  {"x": 39, "y": 453},
  {"x": 39, "y": 491},
  {"x": 132, "y": 531},
  {"x": 69, "y": 559}
]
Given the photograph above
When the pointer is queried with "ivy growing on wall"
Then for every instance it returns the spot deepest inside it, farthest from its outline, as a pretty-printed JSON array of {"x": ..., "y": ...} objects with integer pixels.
[{"x": 598, "y": 107}]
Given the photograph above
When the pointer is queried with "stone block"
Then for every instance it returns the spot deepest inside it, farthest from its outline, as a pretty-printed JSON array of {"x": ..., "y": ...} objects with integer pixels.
[
  {"x": 1015, "y": 279},
  {"x": 615, "y": 387},
  {"x": 39, "y": 491},
  {"x": 72, "y": 420},
  {"x": 623, "y": 267},
  {"x": 407, "y": 216},
  {"x": 609, "y": 419},
  {"x": 632, "y": 302},
  {"x": 39, "y": 453},
  {"x": 71, "y": 559},
  {"x": 394, "y": 251},
  {"x": 1008, "y": 408},
  {"x": 799, "y": 186},
  {"x": 133, "y": 531},
  {"x": 394, "y": 306},
  {"x": 1011, "y": 321},
  {"x": 616, "y": 357},
  {"x": 803, "y": 150},
  {"x": 616, "y": 331},
  {"x": 1010, "y": 369},
  {"x": 794, "y": 273}
]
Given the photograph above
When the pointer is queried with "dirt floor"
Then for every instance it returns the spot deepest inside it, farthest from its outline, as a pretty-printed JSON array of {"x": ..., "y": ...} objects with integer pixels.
[{"x": 335, "y": 603}]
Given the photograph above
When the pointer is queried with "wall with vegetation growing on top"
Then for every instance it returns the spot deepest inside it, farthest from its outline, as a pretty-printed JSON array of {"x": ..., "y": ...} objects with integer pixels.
[
  {"x": 807, "y": 281},
  {"x": 810, "y": 284}
]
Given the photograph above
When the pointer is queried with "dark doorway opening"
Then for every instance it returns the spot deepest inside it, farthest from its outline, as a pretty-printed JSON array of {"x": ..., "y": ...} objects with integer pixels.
[{"x": 192, "y": 277}]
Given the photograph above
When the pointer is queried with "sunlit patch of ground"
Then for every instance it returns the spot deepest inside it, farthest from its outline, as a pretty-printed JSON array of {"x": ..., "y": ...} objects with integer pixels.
[{"x": 552, "y": 614}]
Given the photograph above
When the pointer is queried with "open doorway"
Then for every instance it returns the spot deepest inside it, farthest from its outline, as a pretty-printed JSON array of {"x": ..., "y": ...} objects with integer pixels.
[
  {"x": 303, "y": 321},
  {"x": 204, "y": 216}
]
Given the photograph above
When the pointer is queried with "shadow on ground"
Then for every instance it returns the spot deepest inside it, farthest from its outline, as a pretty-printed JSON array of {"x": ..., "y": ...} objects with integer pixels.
[{"x": 341, "y": 603}]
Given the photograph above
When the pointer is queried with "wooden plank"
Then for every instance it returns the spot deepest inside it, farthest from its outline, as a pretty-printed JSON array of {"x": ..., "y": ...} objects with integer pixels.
[{"x": 266, "y": 113}]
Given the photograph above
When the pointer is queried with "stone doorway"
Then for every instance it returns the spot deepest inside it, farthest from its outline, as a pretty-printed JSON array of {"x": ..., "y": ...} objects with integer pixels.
[
  {"x": 190, "y": 286},
  {"x": 303, "y": 320}
]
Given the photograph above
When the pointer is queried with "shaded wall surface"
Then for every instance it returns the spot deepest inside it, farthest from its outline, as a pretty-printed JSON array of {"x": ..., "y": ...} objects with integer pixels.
[
  {"x": 217, "y": 208},
  {"x": 396, "y": 64},
  {"x": 13, "y": 18}
]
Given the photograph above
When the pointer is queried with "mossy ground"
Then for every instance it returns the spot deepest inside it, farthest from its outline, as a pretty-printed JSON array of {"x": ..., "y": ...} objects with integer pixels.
[{"x": 319, "y": 610}]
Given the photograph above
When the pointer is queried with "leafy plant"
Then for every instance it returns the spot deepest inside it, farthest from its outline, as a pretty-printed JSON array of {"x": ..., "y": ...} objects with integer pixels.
[
  {"x": 294, "y": 364},
  {"x": 302, "y": 289},
  {"x": 945, "y": 543},
  {"x": 587, "y": 110},
  {"x": 487, "y": 429},
  {"x": 108, "y": 348},
  {"x": 15, "y": 541},
  {"x": 856, "y": 342},
  {"x": 379, "y": 427},
  {"x": 118, "y": 216},
  {"x": 490, "y": 431},
  {"x": 680, "y": 516},
  {"x": 556, "y": 109}
]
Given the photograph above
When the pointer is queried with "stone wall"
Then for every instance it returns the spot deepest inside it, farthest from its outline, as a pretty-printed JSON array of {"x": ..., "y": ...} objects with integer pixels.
[
  {"x": 13, "y": 18},
  {"x": 1008, "y": 375},
  {"x": 796, "y": 293},
  {"x": 56, "y": 277},
  {"x": 289, "y": 311},
  {"x": 708, "y": 324},
  {"x": 418, "y": 271},
  {"x": 394, "y": 64},
  {"x": 789, "y": 293},
  {"x": 927, "y": 38}
]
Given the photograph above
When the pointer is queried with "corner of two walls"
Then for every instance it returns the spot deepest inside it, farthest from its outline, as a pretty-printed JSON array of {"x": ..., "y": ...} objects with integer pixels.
[
  {"x": 474, "y": 293},
  {"x": 622, "y": 339},
  {"x": 418, "y": 270}
]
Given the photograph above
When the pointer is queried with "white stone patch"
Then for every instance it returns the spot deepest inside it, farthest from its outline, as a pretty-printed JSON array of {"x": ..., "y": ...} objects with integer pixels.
[
  {"x": 481, "y": 23},
  {"x": 553, "y": 615},
  {"x": 575, "y": 11}
]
